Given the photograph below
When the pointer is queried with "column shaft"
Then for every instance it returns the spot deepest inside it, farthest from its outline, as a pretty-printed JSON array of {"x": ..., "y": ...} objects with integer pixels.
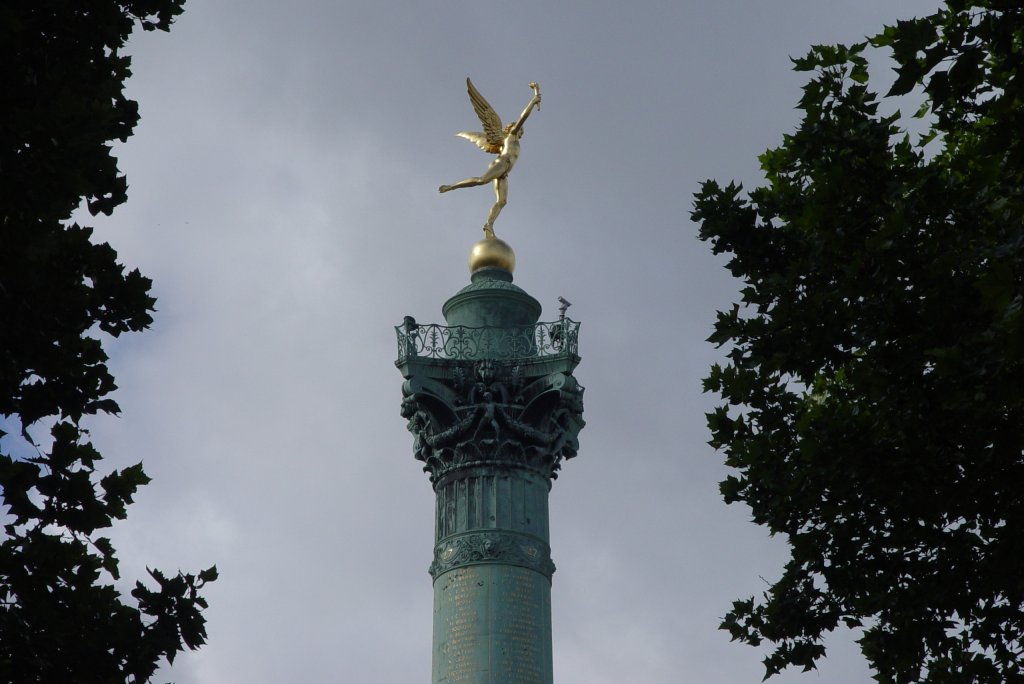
[{"x": 492, "y": 578}]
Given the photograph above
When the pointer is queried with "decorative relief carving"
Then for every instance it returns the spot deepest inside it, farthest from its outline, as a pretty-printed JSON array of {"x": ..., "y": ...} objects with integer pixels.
[
  {"x": 491, "y": 412},
  {"x": 492, "y": 546}
]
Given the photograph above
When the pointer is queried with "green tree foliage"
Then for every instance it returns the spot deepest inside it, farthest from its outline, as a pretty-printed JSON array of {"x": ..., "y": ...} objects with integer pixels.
[
  {"x": 61, "y": 619},
  {"x": 874, "y": 390}
]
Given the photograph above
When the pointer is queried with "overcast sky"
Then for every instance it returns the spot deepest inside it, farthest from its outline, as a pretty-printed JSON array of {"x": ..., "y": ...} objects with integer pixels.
[{"x": 283, "y": 197}]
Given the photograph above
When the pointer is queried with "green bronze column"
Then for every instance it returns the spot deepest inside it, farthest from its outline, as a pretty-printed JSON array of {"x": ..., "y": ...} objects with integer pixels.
[{"x": 494, "y": 409}]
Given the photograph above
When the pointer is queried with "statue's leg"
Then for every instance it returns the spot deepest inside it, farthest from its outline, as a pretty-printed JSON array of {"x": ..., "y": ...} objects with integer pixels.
[
  {"x": 499, "y": 167},
  {"x": 500, "y": 200},
  {"x": 467, "y": 183}
]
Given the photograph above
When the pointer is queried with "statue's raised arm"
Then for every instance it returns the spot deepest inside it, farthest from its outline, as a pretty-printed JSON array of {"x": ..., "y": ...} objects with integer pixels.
[
  {"x": 535, "y": 102},
  {"x": 495, "y": 139}
]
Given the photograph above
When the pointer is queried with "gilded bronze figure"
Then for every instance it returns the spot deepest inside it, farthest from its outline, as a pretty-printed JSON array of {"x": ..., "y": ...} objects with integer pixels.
[{"x": 495, "y": 139}]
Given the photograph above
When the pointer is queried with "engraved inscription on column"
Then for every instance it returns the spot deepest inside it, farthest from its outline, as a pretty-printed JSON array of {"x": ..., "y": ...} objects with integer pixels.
[
  {"x": 459, "y": 612},
  {"x": 521, "y": 628},
  {"x": 492, "y": 624}
]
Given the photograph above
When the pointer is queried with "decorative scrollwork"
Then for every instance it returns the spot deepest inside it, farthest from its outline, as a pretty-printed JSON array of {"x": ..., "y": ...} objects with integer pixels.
[
  {"x": 461, "y": 343},
  {"x": 491, "y": 546}
]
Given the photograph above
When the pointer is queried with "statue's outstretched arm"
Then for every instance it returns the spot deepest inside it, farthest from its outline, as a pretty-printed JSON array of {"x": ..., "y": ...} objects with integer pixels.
[{"x": 535, "y": 102}]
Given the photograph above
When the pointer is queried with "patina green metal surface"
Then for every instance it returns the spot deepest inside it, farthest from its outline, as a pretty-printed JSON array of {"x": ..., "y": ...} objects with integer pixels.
[
  {"x": 494, "y": 411},
  {"x": 492, "y": 624},
  {"x": 493, "y": 300}
]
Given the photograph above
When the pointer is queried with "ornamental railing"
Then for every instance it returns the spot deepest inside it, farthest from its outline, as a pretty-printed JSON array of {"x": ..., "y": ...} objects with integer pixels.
[{"x": 460, "y": 343}]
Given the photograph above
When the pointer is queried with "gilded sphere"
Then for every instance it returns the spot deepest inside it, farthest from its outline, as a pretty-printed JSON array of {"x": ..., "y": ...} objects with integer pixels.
[{"x": 492, "y": 253}]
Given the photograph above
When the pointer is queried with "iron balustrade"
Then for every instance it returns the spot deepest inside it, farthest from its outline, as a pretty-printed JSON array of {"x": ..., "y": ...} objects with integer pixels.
[{"x": 462, "y": 343}]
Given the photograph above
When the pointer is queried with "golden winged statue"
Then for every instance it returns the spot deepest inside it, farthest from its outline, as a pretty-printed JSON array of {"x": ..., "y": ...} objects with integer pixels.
[{"x": 495, "y": 139}]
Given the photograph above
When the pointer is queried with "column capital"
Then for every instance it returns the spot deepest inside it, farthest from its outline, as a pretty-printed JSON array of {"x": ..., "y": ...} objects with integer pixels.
[{"x": 514, "y": 414}]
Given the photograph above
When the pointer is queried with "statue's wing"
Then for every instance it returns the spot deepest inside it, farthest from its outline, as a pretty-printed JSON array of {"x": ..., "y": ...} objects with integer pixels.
[
  {"x": 488, "y": 117},
  {"x": 480, "y": 140}
]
